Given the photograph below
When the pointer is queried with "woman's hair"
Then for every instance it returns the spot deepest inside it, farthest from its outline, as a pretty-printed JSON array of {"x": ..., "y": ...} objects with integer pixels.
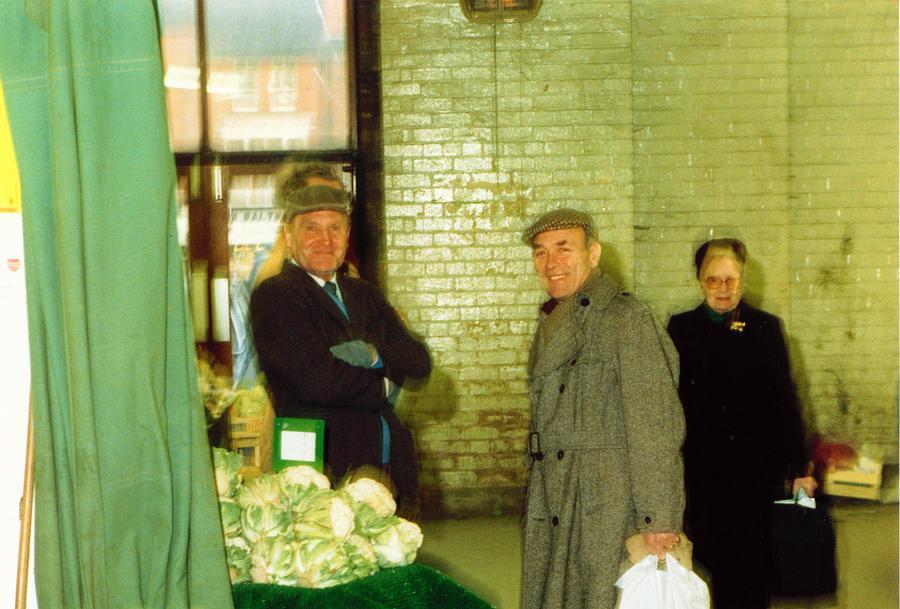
[{"x": 735, "y": 246}]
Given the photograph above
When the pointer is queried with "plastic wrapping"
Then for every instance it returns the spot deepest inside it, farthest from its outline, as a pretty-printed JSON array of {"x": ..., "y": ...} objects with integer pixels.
[{"x": 652, "y": 585}]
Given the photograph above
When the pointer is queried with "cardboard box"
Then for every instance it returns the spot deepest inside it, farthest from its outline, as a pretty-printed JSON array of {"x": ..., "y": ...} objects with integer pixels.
[
  {"x": 854, "y": 483},
  {"x": 252, "y": 438}
]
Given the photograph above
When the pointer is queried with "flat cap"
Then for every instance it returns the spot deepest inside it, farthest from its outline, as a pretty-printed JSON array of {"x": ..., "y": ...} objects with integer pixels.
[
  {"x": 315, "y": 198},
  {"x": 559, "y": 219}
]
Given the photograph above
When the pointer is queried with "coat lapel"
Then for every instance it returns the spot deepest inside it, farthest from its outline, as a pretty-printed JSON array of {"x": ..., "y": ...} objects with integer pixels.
[
  {"x": 567, "y": 341},
  {"x": 351, "y": 301},
  {"x": 307, "y": 284}
]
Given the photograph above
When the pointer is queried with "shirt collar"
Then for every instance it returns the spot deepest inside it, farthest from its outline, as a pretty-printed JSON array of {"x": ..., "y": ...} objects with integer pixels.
[{"x": 321, "y": 282}]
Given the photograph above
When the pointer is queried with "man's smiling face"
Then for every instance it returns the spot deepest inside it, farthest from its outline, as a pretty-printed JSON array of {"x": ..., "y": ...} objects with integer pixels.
[{"x": 563, "y": 260}]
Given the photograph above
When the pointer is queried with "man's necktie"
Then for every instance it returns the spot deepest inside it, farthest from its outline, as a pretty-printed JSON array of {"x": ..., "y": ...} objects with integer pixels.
[{"x": 331, "y": 289}]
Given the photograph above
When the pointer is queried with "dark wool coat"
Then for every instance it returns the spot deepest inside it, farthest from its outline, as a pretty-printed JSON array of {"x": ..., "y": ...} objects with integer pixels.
[
  {"x": 744, "y": 439},
  {"x": 607, "y": 459},
  {"x": 295, "y": 323}
]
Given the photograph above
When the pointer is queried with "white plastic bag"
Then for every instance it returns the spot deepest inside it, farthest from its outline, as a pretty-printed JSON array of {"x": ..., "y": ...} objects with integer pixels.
[{"x": 644, "y": 586}]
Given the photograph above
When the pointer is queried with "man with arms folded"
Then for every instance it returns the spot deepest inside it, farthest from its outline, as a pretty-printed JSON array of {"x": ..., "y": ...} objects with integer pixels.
[
  {"x": 607, "y": 426},
  {"x": 331, "y": 346}
]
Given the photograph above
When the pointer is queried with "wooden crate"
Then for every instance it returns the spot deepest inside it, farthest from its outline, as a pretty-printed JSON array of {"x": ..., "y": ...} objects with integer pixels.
[
  {"x": 252, "y": 438},
  {"x": 853, "y": 483}
]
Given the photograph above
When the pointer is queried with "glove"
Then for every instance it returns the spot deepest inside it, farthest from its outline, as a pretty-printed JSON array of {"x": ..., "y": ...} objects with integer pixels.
[{"x": 354, "y": 352}]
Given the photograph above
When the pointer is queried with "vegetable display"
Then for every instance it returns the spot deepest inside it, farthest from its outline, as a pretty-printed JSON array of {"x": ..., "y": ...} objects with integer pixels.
[{"x": 292, "y": 528}]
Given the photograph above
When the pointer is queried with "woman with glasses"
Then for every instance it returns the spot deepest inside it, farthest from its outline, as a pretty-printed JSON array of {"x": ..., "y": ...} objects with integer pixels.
[{"x": 745, "y": 444}]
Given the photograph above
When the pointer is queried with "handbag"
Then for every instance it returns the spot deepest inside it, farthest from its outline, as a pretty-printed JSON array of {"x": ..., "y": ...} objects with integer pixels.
[
  {"x": 656, "y": 584},
  {"x": 802, "y": 546}
]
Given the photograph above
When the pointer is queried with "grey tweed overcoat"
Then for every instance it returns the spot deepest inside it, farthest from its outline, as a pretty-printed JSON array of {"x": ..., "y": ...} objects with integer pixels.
[{"x": 607, "y": 429}]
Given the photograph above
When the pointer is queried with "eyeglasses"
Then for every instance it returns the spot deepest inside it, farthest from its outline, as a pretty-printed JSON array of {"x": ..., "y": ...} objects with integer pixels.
[{"x": 714, "y": 283}]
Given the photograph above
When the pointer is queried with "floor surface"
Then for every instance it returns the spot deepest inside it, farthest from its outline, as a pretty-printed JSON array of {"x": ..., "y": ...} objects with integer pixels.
[{"x": 484, "y": 554}]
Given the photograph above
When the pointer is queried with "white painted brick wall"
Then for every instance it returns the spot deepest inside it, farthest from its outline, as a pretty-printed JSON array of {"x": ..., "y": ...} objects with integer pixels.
[
  {"x": 843, "y": 293},
  {"x": 670, "y": 121}
]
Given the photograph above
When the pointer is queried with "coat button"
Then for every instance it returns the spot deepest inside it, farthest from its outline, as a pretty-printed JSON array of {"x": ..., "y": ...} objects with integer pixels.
[
  {"x": 562, "y": 388},
  {"x": 647, "y": 519},
  {"x": 555, "y": 520},
  {"x": 560, "y": 454},
  {"x": 585, "y": 302},
  {"x": 573, "y": 361}
]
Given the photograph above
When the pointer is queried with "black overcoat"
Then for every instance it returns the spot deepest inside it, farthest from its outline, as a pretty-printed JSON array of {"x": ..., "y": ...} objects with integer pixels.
[
  {"x": 744, "y": 440},
  {"x": 295, "y": 323}
]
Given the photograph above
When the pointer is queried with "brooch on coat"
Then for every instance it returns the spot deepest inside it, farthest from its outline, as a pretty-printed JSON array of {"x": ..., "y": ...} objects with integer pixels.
[{"x": 737, "y": 326}]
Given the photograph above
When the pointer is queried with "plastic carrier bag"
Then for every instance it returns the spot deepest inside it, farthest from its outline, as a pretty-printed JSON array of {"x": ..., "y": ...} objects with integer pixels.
[{"x": 651, "y": 584}]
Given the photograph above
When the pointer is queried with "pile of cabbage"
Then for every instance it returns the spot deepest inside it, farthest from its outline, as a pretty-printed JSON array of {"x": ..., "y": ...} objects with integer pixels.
[{"x": 293, "y": 529}]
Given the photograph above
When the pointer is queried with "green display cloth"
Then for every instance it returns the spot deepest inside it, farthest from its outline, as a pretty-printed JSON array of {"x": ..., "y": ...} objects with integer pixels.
[
  {"x": 125, "y": 507},
  {"x": 412, "y": 587}
]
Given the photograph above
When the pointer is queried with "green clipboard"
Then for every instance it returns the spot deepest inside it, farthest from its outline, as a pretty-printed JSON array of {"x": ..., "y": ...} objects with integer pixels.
[{"x": 298, "y": 442}]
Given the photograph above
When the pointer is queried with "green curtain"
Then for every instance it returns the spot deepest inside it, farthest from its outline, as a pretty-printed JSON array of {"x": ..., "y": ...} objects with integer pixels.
[{"x": 125, "y": 508}]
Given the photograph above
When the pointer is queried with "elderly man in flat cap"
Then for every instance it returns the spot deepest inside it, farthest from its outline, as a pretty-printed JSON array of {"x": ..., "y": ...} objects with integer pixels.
[
  {"x": 607, "y": 426},
  {"x": 331, "y": 346}
]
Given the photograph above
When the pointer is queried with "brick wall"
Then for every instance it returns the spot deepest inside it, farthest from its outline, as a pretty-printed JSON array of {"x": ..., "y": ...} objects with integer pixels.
[
  {"x": 843, "y": 216},
  {"x": 711, "y": 145},
  {"x": 670, "y": 121}
]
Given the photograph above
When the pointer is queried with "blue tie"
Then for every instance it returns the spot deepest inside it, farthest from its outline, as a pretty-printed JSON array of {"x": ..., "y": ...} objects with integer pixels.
[{"x": 331, "y": 290}]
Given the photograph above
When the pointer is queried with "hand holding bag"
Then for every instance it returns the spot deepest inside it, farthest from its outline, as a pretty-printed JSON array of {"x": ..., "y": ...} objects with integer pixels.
[{"x": 651, "y": 584}]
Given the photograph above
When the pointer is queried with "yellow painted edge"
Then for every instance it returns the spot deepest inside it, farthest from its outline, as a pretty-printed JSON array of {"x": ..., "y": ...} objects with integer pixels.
[{"x": 10, "y": 186}]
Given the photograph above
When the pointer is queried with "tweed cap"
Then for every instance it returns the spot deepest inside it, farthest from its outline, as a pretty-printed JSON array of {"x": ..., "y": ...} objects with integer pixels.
[
  {"x": 315, "y": 198},
  {"x": 559, "y": 219}
]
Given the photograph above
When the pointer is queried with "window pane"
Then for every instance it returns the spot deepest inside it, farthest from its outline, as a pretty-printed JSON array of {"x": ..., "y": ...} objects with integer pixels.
[
  {"x": 252, "y": 224},
  {"x": 182, "y": 72},
  {"x": 252, "y": 218},
  {"x": 278, "y": 75},
  {"x": 182, "y": 197}
]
